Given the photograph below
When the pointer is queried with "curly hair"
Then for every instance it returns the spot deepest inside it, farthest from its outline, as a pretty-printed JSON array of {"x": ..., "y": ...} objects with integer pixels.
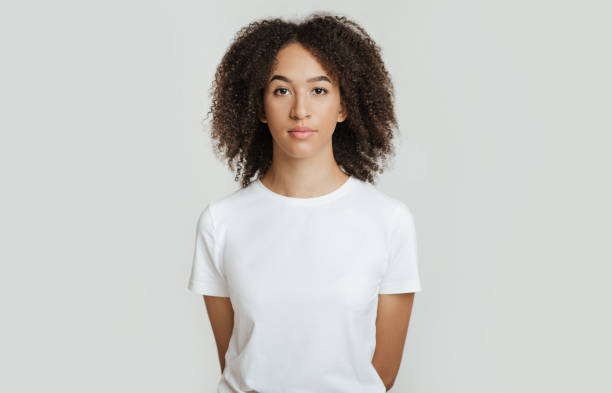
[{"x": 361, "y": 144}]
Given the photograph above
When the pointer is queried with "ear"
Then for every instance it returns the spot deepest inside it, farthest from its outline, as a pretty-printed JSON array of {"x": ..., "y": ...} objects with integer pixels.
[
  {"x": 261, "y": 114},
  {"x": 342, "y": 114}
]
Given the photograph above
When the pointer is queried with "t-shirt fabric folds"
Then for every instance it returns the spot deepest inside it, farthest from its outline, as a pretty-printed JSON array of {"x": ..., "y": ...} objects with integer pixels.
[{"x": 303, "y": 276}]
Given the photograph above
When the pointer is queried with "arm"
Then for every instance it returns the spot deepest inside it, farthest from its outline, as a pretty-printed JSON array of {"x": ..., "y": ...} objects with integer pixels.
[
  {"x": 392, "y": 321},
  {"x": 221, "y": 316}
]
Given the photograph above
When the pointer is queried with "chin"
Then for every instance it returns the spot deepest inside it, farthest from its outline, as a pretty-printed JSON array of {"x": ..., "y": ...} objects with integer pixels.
[{"x": 300, "y": 151}]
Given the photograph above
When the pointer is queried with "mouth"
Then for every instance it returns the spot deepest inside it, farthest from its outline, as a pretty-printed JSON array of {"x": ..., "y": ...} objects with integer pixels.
[
  {"x": 301, "y": 132},
  {"x": 301, "y": 129}
]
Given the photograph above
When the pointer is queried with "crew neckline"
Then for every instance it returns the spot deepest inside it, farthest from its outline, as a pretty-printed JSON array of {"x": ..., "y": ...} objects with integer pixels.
[{"x": 341, "y": 190}]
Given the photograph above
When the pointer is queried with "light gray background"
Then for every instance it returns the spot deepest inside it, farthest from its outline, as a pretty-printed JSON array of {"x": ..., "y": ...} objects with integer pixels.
[{"x": 504, "y": 108}]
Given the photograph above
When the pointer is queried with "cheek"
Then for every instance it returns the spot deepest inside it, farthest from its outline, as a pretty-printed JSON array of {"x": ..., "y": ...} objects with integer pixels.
[
  {"x": 326, "y": 106},
  {"x": 328, "y": 113},
  {"x": 276, "y": 108}
]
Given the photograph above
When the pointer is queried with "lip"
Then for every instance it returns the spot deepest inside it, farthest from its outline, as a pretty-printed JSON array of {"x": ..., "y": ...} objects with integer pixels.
[
  {"x": 301, "y": 129},
  {"x": 301, "y": 132}
]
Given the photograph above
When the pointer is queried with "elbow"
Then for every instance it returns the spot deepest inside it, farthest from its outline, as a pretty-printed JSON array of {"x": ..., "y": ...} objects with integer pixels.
[
  {"x": 387, "y": 377},
  {"x": 387, "y": 380},
  {"x": 388, "y": 384}
]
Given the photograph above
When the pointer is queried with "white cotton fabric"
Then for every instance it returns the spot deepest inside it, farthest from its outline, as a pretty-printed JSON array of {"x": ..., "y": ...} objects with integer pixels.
[{"x": 303, "y": 276}]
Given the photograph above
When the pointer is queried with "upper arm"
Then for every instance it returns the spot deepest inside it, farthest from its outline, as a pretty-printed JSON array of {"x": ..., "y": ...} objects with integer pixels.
[
  {"x": 221, "y": 316},
  {"x": 392, "y": 319}
]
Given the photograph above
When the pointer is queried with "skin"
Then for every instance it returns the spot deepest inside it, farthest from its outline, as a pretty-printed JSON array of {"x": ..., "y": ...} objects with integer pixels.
[
  {"x": 221, "y": 316},
  {"x": 392, "y": 319},
  {"x": 302, "y": 168},
  {"x": 305, "y": 169}
]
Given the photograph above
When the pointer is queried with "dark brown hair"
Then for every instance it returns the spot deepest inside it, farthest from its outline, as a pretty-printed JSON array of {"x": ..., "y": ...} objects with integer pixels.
[{"x": 361, "y": 144}]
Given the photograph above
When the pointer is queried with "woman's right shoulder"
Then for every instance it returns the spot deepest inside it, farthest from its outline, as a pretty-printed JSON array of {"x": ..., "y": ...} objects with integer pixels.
[{"x": 224, "y": 208}]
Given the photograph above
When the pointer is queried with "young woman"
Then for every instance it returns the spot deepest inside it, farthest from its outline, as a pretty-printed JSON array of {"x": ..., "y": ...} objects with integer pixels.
[{"x": 308, "y": 272}]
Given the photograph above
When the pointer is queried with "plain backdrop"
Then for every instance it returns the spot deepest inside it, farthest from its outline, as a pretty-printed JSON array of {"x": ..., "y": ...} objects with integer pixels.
[{"x": 502, "y": 155}]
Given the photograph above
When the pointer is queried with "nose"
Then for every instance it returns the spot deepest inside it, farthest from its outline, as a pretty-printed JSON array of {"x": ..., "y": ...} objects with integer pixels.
[{"x": 299, "y": 108}]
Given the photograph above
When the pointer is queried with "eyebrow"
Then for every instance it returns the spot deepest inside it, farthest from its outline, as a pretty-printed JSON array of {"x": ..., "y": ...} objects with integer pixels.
[{"x": 314, "y": 79}]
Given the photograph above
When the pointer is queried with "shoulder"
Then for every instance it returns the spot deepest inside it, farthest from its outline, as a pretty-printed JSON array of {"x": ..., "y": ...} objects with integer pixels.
[
  {"x": 226, "y": 208},
  {"x": 381, "y": 203}
]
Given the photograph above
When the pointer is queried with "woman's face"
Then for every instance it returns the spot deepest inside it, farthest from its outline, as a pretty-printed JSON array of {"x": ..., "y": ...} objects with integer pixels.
[{"x": 300, "y": 93}]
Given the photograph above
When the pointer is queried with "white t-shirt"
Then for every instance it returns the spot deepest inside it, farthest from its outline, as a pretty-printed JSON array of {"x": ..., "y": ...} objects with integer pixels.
[{"x": 303, "y": 276}]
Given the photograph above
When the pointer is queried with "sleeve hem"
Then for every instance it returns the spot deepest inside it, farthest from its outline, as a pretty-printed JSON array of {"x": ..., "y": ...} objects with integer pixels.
[
  {"x": 208, "y": 288},
  {"x": 400, "y": 288}
]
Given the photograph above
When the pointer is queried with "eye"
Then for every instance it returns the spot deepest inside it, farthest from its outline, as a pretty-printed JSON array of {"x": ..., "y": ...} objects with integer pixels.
[{"x": 319, "y": 91}]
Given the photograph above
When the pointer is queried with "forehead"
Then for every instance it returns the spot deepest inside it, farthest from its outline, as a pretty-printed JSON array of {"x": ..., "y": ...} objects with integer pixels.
[{"x": 297, "y": 63}]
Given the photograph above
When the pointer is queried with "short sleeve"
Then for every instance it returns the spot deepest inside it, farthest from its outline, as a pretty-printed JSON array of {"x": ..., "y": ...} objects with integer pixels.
[
  {"x": 207, "y": 276},
  {"x": 402, "y": 272}
]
